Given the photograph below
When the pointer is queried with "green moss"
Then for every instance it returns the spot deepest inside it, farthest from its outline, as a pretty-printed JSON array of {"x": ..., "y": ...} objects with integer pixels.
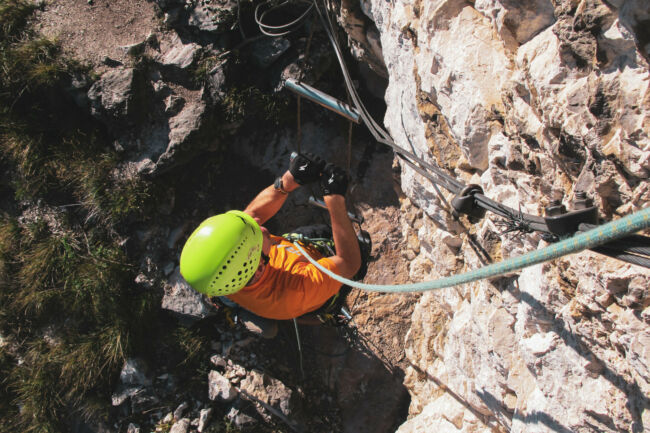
[{"x": 200, "y": 72}]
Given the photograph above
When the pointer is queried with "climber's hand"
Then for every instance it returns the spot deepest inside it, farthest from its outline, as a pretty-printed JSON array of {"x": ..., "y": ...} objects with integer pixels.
[
  {"x": 333, "y": 181},
  {"x": 306, "y": 168}
]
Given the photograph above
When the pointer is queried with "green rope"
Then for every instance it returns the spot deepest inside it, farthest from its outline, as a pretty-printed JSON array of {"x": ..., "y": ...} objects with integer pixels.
[{"x": 597, "y": 236}]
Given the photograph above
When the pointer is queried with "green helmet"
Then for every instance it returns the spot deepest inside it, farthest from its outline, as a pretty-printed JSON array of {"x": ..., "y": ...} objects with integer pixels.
[{"x": 222, "y": 254}]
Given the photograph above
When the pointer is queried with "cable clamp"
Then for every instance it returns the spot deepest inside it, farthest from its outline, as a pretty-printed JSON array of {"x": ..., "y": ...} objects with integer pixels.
[{"x": 464, "y": 202}]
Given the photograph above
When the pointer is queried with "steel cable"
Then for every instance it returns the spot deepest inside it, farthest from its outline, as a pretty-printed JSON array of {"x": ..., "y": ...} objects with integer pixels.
[
  {"x": 622, "y": 255},
  {"x": 583, "y": 240},
  {"x": 283, "y": 29}
]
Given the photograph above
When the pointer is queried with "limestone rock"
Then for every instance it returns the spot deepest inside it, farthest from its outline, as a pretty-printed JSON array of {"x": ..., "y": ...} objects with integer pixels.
[
  {"x": 114, "y": 97},
  {"x": 178, "y": 413},
  {"x": 204, "y": 419},
  {"x": 365, "y": 43},
  {"x": 180, "y": 55},
  {"x": 215, "y": 16},
  {"x": 220, "y": 388},
  {"x": 134, "y": 386},
  {"x": 240, "y": 420},
  {"x": 269, "y": 390},
  {"x": 534, "y": 102},
  {"x": 516, "y": 20},
  {"x": 180, "y": 426},
  {"x": 267, "y": 51},
  {"x": 183, "y": 300},
  {"x": 445, "y": 414}
]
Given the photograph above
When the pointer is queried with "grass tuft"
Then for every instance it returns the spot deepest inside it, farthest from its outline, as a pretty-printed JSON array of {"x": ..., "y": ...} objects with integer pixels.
[
  {"x": 13, "y": 17},
  {"x": 245, "y": 103},
  {"x": 66, "y": 284}
]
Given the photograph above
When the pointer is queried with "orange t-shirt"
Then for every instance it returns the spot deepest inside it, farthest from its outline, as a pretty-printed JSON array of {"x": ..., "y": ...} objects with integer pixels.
[{"x": 290, "y": 286}]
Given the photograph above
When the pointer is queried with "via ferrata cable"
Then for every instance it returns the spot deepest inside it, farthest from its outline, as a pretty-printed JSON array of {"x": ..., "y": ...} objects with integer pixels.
[{"x": 584, "y": 240}]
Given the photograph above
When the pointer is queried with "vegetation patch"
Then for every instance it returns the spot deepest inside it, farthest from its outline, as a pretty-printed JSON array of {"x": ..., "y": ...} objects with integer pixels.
[{"x": 70, "y": 313}]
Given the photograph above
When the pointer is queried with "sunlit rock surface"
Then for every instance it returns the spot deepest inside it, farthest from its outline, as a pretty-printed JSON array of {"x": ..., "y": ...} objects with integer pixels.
[{"x": 533, "y": 102}]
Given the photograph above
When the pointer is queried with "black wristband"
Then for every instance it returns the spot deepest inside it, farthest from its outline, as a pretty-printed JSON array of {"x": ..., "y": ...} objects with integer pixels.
[{"x": 278, "y": 185}]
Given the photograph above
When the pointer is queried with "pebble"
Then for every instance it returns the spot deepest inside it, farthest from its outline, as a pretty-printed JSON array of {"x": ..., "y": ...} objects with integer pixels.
[{"x": 178, "y": 413}]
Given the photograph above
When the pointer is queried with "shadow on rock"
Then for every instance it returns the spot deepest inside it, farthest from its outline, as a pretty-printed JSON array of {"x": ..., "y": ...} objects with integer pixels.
[{"x": 368, "y": 390}]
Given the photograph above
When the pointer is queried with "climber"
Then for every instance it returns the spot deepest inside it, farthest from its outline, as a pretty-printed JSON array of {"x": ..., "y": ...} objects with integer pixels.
[{"x": 233, "y": 255}]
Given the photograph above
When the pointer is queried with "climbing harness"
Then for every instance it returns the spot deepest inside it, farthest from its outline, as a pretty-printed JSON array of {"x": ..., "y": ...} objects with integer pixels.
[
  {"x": 585, "y": 240},
  {"x": 333, "y": 312}
]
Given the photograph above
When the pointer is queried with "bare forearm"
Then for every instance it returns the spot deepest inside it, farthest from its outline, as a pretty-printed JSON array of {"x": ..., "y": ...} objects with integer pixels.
[
  {"x": 345, "y": 238},
  {"x": 268, "y": 202}
]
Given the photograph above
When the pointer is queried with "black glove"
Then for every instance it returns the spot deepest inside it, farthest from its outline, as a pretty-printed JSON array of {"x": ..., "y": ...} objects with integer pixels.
[
  {"x": 333, "y": 181},
  {"x": 306, "y": 168}
]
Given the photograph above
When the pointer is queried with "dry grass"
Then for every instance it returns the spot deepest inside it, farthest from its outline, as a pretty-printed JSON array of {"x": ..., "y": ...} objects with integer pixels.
[{"x": 66, "y": 292}]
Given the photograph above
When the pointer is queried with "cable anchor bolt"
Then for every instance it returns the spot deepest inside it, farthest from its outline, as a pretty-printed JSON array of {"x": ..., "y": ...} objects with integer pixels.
[
  {"x": 465, "y": 203},
  {"x": 563, "y": 223}
]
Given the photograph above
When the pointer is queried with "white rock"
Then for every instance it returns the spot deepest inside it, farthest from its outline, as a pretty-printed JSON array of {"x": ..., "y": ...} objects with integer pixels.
[
  {"x": 181, "y": 426},
  {"x": 181, "y": 55},
  {"x": 497, "y": 83},
  {"x": 518, "y": 20},
  {"x": 218, "y": 361},
  {"x": 178, "y": 413},
  {"x": 540, "y": 344},
  {"x": 269, "y": 390},
  {"x": 204, "y": 419},
  {"x": 220, "y": 388},
  {"x": 445, "y": 414},
  {"x": 182, "y": 299}
]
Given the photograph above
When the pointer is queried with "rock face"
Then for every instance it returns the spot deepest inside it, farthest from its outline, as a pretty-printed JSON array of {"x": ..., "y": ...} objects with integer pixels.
[
  {"x": 534, "y": 101},
  {"x": 268, "y": 390},
  {"x": 135, "y": 387},
  {"x": 158, "y": 107},
  {"x": 184, "y": 301}
]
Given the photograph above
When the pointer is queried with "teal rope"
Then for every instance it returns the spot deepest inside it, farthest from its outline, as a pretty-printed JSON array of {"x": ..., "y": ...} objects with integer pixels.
[{"x": 597, "y": 236}]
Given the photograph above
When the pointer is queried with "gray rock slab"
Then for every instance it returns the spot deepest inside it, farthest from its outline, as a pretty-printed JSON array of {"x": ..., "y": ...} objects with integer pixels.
[
  {"x": 183, "y": 300},
  {"x": 220, "y": 388}
]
